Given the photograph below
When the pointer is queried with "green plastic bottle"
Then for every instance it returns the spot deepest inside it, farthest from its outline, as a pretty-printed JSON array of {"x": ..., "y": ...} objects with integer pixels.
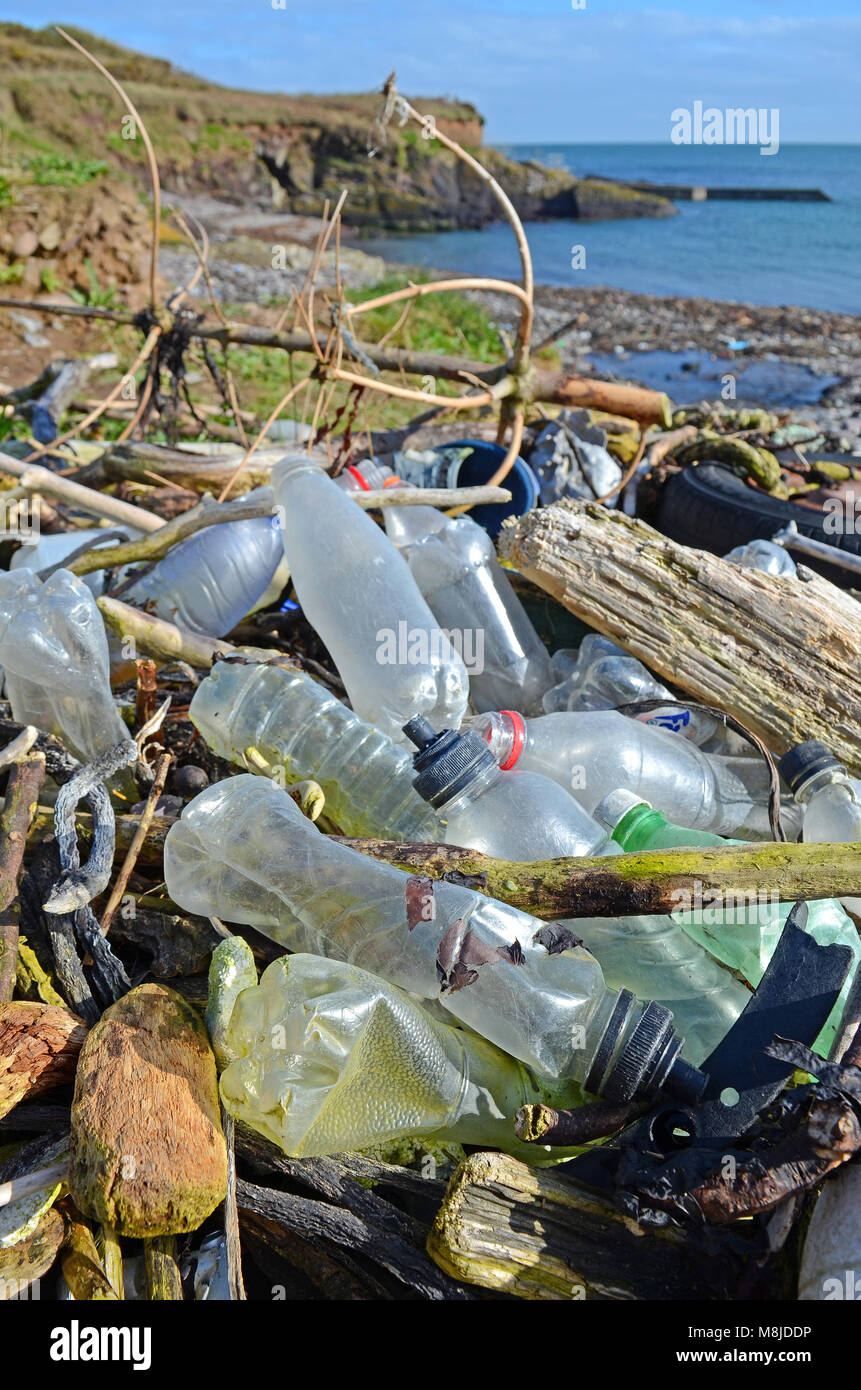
[{"x": 744, "y": 936}]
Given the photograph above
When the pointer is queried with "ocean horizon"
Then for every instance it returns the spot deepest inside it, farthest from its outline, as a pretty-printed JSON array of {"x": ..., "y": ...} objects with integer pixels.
[{"x": 768, "y": 253}]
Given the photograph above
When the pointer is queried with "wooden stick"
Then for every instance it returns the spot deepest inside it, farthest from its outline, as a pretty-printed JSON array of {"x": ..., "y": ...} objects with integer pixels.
[
  {"x": 37, "y": 479},
  {"x": 134, "y": 850},
  {"x": 163, "y": 1279},
  {"x": 782, "y": 655},
  {"x": 22, "y": 795},
  {"x": 732, "y": 876}
]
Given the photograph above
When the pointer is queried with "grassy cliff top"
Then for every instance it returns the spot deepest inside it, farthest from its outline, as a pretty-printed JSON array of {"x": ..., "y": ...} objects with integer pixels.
[{"x": 53, "y": 100}]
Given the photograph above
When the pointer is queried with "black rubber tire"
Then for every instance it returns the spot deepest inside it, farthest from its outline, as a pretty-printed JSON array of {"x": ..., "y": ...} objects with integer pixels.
[{"x": 709, "y": 508}]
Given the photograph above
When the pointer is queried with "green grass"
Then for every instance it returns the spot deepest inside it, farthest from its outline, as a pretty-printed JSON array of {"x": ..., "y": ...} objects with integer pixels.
[
  {"x": 55, "y": 170},
  {"x": 446, "y": 323}
]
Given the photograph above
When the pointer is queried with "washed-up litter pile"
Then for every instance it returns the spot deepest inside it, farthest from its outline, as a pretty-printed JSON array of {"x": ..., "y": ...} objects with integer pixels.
[
  {"x": 399, "y": 893},
  {"x": 398, "y": 883}
]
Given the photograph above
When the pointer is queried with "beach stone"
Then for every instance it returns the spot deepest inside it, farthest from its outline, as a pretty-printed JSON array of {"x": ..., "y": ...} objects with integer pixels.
[
  {"x": 24, "y": 245},
  {"x": 50, "y": 236}
]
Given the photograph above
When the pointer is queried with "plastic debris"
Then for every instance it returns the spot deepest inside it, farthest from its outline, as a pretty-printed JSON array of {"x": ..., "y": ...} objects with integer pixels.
[
  {"x": 243, "y": 852},
  {"x": 570, "y": 459},
  {"x": 54, "y": 654},
  {"x": 764, "y": 556},
  {"x": 454, "y": 563},
  {"x": 357, "y": 592}
]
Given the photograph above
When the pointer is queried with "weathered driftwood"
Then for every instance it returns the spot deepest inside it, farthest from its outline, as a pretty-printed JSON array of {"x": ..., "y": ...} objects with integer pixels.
[
  {"x": 39, "y": 1046},
  {"x": 26, "y": 1261},
  {"x": 530, "y": 1232},
  {"x": 783, "y": 655},
  {"x": 22, "y": 794},
  {"x": 334, "y": 1226},
  {"x": 148, "y": 1152},
  {"x": 739, "y": 876}
]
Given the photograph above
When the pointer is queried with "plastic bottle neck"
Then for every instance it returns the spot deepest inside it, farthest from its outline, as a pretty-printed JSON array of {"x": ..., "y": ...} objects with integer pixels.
[
  {"x": 294, "y": 466},
  {"x": 826, "y": 777},
  {"x": 468, "y": 795},
  {"x": 637, "y": 826},
  {"x": 504, "y": 731}
]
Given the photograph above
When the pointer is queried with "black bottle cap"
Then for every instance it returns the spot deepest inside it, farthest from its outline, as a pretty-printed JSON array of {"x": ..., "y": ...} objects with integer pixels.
[
  {"x": 446, "y": 763},
  {"x": 803, "y": 762}
]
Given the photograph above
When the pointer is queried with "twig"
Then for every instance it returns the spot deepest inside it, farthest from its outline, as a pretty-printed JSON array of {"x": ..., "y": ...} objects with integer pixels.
[
  {"x": 22, "y": 796},
  {"x": 150, "y": 152},
  {"x": 130, "y": 860},
  {"x": 37, "y": 479}
]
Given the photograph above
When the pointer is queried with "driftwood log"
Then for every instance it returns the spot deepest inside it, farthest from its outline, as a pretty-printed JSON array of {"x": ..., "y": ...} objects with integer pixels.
[
  {"x": 39, "y": 1046},
  {"x": 148, "y": 1155},
  {"x": 783, "y": 655},
  {"x": 534, "y": 1233}
]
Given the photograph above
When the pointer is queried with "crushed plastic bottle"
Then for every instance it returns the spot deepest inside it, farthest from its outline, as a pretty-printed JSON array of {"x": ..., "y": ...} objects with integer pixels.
[
  {"x": 357, "y": 592},
  {"x": 299, "y": 728},
  {"x": 323, "y": 1057},
  {"x": 209, "y": 582},
  {"x": 511, "y": 815},
  {"x": 764, "y": 556},
  {"x": 50, "y": 550},
  {"x": 570, "y": 459},
  {"x": 454, "y": 563},
  {"x": 742, "y": 937},
  {"x": 830, "y": 798},
  {"x": 600, "y": 675},
  {"x": 54, "y": 654},
  {"x": 591, "y": 752},
  {"x": 243, "y": 852}
]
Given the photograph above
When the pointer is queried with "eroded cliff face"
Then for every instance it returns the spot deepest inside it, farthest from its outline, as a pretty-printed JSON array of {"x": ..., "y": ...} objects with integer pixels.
[
  {"x": 288, "y": 153},
  {"x": 413, "y": 184}
]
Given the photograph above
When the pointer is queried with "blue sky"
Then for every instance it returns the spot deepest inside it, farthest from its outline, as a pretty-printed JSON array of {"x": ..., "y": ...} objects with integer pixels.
[{"x": 537, "y": 69}]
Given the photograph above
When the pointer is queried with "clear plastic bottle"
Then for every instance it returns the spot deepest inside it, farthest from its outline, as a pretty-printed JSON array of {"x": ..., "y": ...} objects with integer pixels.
[
  {"x": 356, "y": 590},
  {"x": 743, "y": 937},
  {"x": 591, "y": 752},
  {"x": 210, "y": 581},
  {"x": 601, "y": 675},
  {"x": 522, "y": 815},
  {"x": 830, "y": 798},
  {"x": 50, "y": 550},
  {"x": 54, "y": 654},
  {"x": 454, "y": 563},
  {"x": 764, "y": 556},
  {"x": 243, "y": 852},
  {"x": 324, "y": 1057},
  {"x": 511, "y": 815},
  {"x": 299, "y": 727}
]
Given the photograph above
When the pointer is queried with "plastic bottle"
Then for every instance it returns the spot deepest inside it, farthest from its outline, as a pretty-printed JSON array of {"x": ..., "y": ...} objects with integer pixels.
[
  {"x": 210, "y": 581},
  {"x": 764, "y": 556},
  {"x": 743, "y": 937},
  {"x": 297, "y": 726},
  {"x": 358, "y": 594},
  {"x": 244, "y": 853},
  {"x": 600, "y": 675},
  {"x": 50, "y": 550},
  {"x": 323, "y": 1058},
  {"x": 591, "y": 752},
  {"x": 511, "y": 815},
  {"x": 830, "y": 798},
  {"x": 54, "y": 654},
  {"x": 454, "y": 563},
  {"x": 524, "y": 816}
]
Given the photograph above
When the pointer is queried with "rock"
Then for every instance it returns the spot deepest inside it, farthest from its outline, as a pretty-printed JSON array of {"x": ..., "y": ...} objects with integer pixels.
[
  {"x": 147, "y": 1153},
  {"x": 24, "y": 245},
  {"x": 39, "y": 1046},
  {"x": 50, "y": 236}
]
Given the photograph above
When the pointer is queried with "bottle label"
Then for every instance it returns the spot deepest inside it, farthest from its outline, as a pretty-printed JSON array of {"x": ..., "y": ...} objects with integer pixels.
[{"x": 677, "y": 720}]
